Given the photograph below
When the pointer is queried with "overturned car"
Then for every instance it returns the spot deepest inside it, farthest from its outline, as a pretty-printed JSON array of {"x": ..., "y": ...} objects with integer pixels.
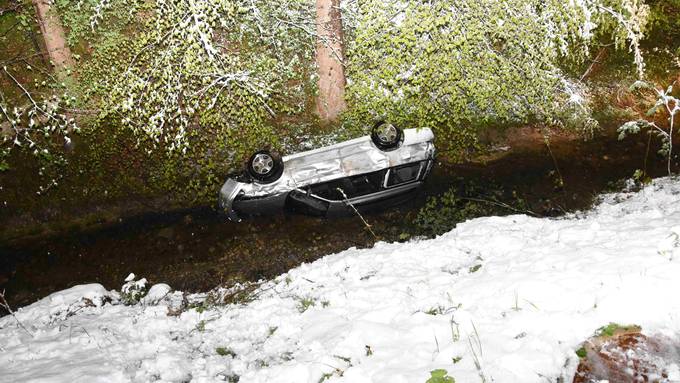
[{"x": 382, "y": 169}]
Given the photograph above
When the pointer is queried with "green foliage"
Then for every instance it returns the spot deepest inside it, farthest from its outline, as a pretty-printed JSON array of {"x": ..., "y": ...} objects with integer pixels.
[
  {"x": 133, "y": 291},
  {"x": 185, "y": 91},
  {"x": 34, "y": 105},
  {"x": 200, "y": 326},
  {"x": 581, "y": 352},
  {"x": 436, "y": 310},
  {"x": 641, "y": 178},
  {"x": 462, "y": 202},
  {"x": 197, "y": 86},
  {"x": 607, "y": 331},
  {"x": 150, "y": 53},
  {"x": 441, "y": 310},
  {"x": 625, "y": 21},
  {"x": 667, "y": 105},
  {"x": 612, "y": 328},
  {"x": 441, "y": 214},
  {"x": 440, "y": 376},
  {"x": 432, "y": 64},
  {"x": 458, "y": 66},
  {"x": 38, "y": 123},
  {"x": 4, "y": 154},
  {"x": 305, "y": 303},
  {"x": 208, "y": 72},
  {"x": 83, "y": 18},
  {"x": 664, "y": 25},
  {"x": 224, "y": 351}
]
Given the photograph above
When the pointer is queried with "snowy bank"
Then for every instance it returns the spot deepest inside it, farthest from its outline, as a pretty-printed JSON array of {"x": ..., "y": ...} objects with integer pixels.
[{"x": 504, "y": 299}]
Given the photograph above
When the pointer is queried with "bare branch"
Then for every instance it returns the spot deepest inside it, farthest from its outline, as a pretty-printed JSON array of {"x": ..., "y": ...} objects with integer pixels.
[
  {"x": 12, "y": 7},
  {"x": 5, "y": 305}
]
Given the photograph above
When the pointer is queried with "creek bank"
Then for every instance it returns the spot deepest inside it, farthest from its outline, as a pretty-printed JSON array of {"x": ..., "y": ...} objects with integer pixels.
[{"x": 195, "y": 249}]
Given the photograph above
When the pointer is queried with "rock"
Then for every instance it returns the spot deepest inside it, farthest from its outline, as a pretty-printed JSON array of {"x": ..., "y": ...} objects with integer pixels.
[
  {"x": 156, "y": 293},
  {"x": 628, "y": 356}
]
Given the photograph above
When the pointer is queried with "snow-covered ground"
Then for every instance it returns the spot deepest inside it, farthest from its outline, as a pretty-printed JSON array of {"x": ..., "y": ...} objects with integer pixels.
[{"x": 497, "y": 299}]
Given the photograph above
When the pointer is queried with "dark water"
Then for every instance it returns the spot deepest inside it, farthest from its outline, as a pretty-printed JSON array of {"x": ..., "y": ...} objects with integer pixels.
[{"x": 197, "y": 249}]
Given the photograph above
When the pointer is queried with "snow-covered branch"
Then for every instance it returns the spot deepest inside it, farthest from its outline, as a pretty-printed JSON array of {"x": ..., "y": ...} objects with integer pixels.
[{"x": 670, "y": 105}]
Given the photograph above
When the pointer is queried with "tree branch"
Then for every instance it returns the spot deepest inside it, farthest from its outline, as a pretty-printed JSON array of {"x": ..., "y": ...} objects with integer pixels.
[
  {"x": 13, "y": 7},
  {"x": 5, "y": 305},
  {"x": 593, "y": 66}
]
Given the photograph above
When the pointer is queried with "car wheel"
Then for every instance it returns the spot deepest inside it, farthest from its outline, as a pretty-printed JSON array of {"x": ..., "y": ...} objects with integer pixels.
[
  {"x": 386, "y": 136},
  {"x": 265, "y": 166}
]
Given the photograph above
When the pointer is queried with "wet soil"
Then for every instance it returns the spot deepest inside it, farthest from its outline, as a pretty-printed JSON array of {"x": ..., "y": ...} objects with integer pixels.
[{"x": 196, "y": 249}]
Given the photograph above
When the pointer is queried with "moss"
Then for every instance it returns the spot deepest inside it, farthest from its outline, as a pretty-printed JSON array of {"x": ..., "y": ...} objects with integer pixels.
[
  {"x": 614, "y": 328},
  {"x": 581, "y": 352}
]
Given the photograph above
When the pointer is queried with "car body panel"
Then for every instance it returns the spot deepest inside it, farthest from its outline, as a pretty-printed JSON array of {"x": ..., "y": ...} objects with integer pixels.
[{"x": 346, "y": 159}]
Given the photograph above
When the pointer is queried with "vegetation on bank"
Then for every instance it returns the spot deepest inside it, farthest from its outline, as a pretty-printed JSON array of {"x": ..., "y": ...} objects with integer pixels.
[{"x": 166, "y": 97}]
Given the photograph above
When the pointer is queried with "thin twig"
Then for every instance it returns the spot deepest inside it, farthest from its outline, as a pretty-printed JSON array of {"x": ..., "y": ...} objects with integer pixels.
[
  {"x": 14, "y": 7},
  {"x": 649, "y": 143},
  {"x": 11, "y": 28},
  {"x": 5, "y": 305},
  {"x": 477, "y": 354},
  {"x": 28, "y": 95},
  {"x": 436, "y": 342},
  {"x": 596, "y": 61},
  {"x": 557, "y": 168},
  {"x": 357, "y": 212},
  {"x": 501, "y": 204},
  {"x": 19, "y": 58}
]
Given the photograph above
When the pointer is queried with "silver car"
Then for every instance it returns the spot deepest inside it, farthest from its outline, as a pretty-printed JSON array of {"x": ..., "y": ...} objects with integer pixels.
[{"x": 375, "y": 171}]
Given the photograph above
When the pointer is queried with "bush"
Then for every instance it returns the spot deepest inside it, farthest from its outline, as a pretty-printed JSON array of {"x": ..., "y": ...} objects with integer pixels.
[{"x": 133, "y": 291}]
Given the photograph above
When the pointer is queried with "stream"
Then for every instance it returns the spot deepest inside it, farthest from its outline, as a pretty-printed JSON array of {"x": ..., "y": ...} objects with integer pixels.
[{"x": 197, "y": 249}]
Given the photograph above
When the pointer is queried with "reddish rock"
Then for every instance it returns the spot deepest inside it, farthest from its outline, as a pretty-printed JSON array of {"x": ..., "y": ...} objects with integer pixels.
[{"x": 627, "y": 356}]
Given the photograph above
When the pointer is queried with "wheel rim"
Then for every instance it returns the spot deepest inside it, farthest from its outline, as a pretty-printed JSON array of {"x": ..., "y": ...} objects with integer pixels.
[
  {"x": 263, "y": 164},
  {"x": 387, "y": 133}
]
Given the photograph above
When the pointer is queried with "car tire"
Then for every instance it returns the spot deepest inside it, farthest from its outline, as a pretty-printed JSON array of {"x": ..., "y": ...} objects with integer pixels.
[
  {"x": 386, "y": 136},
  {"x": 265, "y": 166}
]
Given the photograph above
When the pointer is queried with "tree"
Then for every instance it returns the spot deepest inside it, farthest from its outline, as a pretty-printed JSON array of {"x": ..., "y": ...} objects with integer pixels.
[
  {"x": 33, "y": 114},
  {"x": 330, "y": 60},
  {"x": 54, "y": 36}
]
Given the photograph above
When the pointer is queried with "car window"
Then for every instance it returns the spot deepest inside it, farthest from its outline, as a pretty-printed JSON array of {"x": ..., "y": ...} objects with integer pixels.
[
  {"x": 403, "y": 174},
  {"x": 354, "y": 186}
]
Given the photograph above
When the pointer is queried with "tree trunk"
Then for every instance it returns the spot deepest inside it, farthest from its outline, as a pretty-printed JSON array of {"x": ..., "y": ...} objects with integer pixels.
[
  {"x": 329, "y": 58},
  {"x": 54, "y": 36}
]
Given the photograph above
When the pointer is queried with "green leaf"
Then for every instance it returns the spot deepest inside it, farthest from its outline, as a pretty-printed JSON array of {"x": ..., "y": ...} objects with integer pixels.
[
  {"x": 581, "y": 352},
  {"x": 440, "y": 376}
]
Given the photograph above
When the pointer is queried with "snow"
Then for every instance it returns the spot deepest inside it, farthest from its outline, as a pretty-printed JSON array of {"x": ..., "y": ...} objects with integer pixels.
[
  {"x": 156, "y": 294},
  {"x": 514, "y": 295}
]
